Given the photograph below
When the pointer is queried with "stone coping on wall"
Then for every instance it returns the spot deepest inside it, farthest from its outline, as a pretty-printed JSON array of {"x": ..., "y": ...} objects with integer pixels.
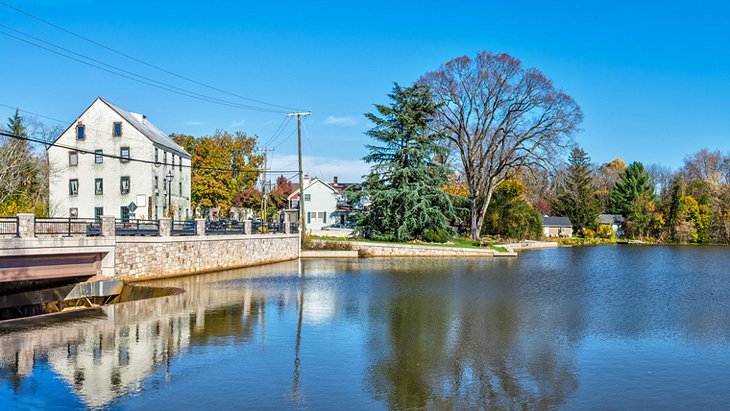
[
  {"x": 415, "y": 250},
  {"x": 183, "y": 238},
  {"x": 53, "y": 245}
]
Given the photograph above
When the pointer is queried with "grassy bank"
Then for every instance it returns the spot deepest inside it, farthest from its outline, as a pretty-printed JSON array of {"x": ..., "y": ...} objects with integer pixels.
[{"x": 341, "y": 243}]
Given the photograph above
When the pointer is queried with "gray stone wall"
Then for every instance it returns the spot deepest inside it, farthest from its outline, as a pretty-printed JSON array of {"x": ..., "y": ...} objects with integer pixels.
[
  {"x": 150, "y": 257},
  {"x": 407, "y": 250}
]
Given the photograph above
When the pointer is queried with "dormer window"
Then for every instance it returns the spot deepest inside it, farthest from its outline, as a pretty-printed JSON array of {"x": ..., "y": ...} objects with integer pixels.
[
  {"x": 80, "y": 131},
  {"x": 117, "y": 130}
]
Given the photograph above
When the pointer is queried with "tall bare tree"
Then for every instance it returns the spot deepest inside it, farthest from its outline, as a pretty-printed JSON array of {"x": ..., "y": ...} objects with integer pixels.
[{"x": 500, "y": 117}]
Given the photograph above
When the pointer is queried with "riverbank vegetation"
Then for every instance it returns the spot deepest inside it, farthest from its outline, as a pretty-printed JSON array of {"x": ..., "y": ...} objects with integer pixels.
[{"x": 493, "y": 134}]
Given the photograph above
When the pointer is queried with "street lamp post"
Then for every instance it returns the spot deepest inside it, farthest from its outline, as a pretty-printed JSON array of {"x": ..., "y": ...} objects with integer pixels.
[{"x": 169, "y": 178}]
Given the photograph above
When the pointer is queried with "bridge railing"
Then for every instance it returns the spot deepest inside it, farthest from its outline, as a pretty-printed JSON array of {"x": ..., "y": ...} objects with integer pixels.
[
  {"x": 9, "y": 226},
  {"x": 183, "y": 228},
  {"x": 67, "y": 227},
  {"x": 131, "y": 227},
  {"x": 214, "y": 227},
  {"x": 28, "y": 226}
]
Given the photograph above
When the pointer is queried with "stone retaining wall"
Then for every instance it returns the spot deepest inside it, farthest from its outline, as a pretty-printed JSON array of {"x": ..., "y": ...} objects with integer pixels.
[
  {"x": 149, "y": 257},
  {"x": 408, "y": 250}
]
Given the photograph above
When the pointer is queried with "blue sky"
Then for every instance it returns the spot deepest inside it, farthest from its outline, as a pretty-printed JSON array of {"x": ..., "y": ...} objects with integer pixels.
[{"x": 652, "y": 78}]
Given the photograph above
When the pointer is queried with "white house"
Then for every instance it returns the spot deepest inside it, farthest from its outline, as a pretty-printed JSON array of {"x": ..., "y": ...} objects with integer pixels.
[
  {"x": 615, "y": 221},
  {"x": 322, "y": 204},
  {"x": 86, "y": 182}
]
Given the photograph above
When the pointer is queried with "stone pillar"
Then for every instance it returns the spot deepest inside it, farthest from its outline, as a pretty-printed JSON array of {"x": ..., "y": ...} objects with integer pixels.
[
  {"x": 287, "y": 224},
  {"x": 199, "y": 226},
  {"x": 108, "y": 226},
  {"x": 26, "y": 225},
  {"x": 165, "y": 226},
  {"x": 247, "y": 226}
]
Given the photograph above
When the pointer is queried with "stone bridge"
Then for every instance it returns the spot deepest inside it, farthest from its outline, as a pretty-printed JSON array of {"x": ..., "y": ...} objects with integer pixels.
[{"x": 29, "y": 256}]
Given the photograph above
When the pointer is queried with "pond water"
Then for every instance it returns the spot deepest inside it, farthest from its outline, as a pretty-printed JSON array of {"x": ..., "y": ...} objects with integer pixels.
[{"x": 610, "y": 327}]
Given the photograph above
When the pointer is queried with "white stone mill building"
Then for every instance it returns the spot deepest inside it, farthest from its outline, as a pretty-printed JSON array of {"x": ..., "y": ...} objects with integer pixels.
[{"x": 85, "y": 183}]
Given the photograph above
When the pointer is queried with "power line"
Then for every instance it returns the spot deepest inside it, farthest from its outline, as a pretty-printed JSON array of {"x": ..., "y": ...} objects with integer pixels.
[
  {"x": 139, "y": 160},
  {"x": 286, "y": 138},
  {"x": 140, "y": 60},
  {"x": 278, "y": 130},
  {"x": 71, "y": 122},
  {"x": 136, "y": 77},
  {"x": 83, "y": 56}
]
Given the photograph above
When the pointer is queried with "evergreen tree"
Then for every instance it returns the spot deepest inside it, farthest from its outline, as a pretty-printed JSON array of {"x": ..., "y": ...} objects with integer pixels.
[
  {"x": 404, "y": 189},
  {"x": 577, "y": 199},
  {"x": 632, "y": 196},
  {"x": 676, "y": 208}
]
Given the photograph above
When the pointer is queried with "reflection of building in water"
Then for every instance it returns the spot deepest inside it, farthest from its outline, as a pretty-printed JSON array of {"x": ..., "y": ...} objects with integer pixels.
[
  {"x": 116, "y": 355},
  {"x": 102, "y": 358}
]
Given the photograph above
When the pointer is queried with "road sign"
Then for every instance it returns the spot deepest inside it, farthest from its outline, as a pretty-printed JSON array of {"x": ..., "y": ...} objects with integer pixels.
[{"x": 132, "y": 207}]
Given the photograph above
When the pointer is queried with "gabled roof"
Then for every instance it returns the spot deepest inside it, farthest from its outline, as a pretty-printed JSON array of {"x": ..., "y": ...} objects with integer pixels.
[
  {"x": 149, "y": 130},
  {"x": 610, "y": 219},
  {"x": 556, "y": 222},
  {"x": 139, "y": 122},
  {"x": 295, "y": 193}
]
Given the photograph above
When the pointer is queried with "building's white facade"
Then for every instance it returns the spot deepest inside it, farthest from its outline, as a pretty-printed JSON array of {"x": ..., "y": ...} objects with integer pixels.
[
  {"x": 320, "y": 204},
  {"x": 87, "y": 185}
]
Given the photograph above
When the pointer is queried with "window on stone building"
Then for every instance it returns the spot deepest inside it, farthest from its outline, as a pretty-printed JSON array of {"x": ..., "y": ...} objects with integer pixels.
[
  {"x": 117, "y": 131},
  {"x": 164, "y": 157},
  {"x": 98, "y": 212},
  {"x": 124, "y": 185},
  {"x": 99, "y": 186},
  {"x": 180, "y": 187},
  {"x": 73, "y": 187},
  {"x": 73, "y": 158},
  {"x": 80, "y": 131},
  {"x": 157, "y": 156},
  {"x": 124, "y": 213},
  {"x": 307, "y": 197},
  {"x": 124, "y": 154},
  {"x": 98, "y": 156}
]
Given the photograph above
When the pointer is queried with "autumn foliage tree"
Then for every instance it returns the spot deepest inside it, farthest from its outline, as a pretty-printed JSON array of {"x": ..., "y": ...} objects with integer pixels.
[
  {"x": 223, "y": 164},
  {"x": 499, "y": 117}
]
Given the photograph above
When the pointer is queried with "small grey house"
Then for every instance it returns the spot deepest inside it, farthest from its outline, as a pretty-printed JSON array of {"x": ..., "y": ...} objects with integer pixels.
[
  {"x": 557, "y": 227},
  {"x": 615, "y": 221}
]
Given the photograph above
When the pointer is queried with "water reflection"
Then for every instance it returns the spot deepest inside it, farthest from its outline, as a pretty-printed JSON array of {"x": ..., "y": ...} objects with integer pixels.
[{"x": 552, "y": 329}]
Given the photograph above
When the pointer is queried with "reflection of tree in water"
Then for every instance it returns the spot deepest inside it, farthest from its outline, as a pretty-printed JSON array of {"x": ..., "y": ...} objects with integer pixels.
[{"x": 460, "y": 349}]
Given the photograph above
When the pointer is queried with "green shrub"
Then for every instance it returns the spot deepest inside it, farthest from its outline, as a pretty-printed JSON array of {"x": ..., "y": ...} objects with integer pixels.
[
  {"x": 606, "y": 231},
  {"x": 435, "y": 235}
]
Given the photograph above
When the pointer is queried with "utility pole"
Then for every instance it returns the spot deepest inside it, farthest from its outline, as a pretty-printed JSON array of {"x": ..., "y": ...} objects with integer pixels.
[
  {"x": 302, "y": 219},
  {"x": 263, "y": 189}
]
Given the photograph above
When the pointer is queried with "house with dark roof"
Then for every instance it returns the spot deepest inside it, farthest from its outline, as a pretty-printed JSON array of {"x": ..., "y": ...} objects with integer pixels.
[
  {"x": 557, "y": 227},
  {"x": 614, "y": 221},
  {"x": 114, "y": 162}
]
